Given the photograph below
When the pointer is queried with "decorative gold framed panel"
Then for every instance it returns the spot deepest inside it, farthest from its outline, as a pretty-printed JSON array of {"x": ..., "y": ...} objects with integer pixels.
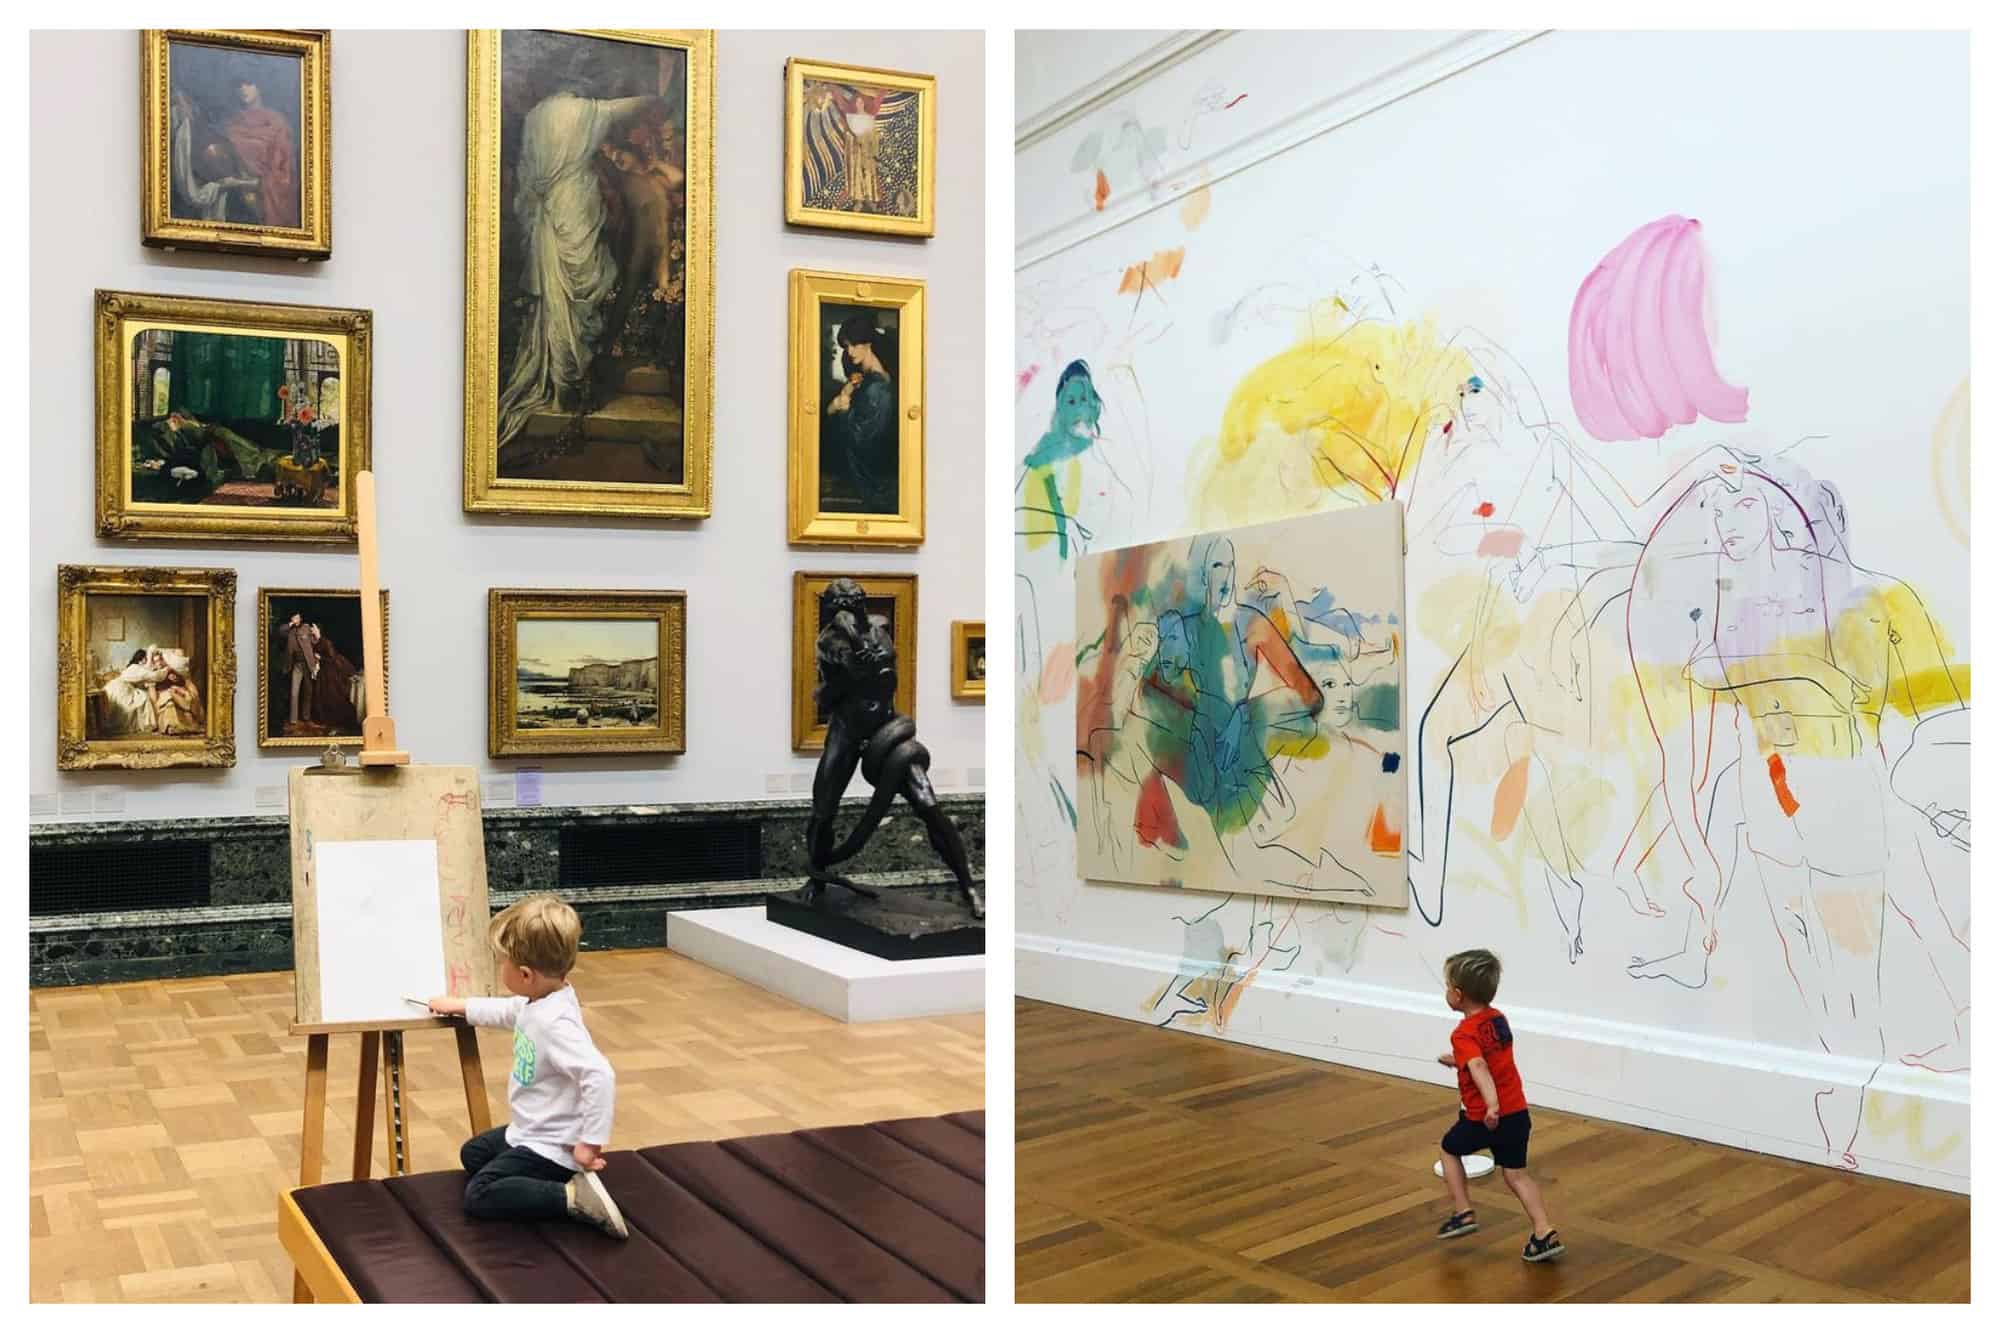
[
  {"x": 312, "y": 667},
  {"x": 229, "y": 420},
  {"x": 860, "y": 148},
  {"x": 590, "y": 304},
  {"x": 145, "y": 667},
  {"x": 891, "y": 596},
  {"x": 586, "y": 672},
  {"x": 236, "y": 140},
  {"x": 968, "y": 659},
  {"x": 856, "y": 433}
]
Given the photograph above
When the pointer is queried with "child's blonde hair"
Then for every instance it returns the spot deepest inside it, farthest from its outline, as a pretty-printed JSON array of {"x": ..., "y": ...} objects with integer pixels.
[
  {"x": 1475, "y": 973},
  {"x": 540, "y": 931}
]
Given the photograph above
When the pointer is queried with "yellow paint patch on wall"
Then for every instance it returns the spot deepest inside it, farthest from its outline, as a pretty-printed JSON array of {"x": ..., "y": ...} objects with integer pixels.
[
  {"x": 1035, "y": 525},
  {"x": 1889, "y": 1116},
  {"x": 1194, "y": 208},
  {"x": 1951, "y": 463},
  {"x": 1339, "y": 418}
]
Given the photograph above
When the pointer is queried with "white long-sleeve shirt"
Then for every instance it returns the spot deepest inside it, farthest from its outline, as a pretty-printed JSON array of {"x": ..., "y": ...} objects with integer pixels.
[{"x": 562, "y": 1088}]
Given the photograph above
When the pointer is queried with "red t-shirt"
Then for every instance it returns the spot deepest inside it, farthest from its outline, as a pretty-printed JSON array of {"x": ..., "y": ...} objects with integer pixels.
[{"x": 1486, "y": 1034}]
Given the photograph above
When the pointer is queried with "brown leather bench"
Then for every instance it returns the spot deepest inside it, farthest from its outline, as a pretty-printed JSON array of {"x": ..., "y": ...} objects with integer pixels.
[{"x": 891, "y": 1211}]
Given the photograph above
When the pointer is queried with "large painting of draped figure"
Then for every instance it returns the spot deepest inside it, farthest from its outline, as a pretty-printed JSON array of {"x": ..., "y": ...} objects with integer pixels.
[
  {"x": 1240, "y": 710},
  {"x": 589, "y": 273}
]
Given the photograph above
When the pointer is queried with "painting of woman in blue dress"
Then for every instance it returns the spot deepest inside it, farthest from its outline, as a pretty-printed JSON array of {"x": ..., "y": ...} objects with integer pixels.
[{"x": 859, "y": 440}]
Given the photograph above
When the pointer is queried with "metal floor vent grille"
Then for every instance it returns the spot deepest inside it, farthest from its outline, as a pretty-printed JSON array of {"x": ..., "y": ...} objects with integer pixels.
[
  {"x": 661, "y": 854},
  {"x": 136, "y": 877}
]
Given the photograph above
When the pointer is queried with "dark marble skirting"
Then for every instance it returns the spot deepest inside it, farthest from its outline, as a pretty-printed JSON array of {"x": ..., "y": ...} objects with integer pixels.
[{"x": 622, "y": 867}]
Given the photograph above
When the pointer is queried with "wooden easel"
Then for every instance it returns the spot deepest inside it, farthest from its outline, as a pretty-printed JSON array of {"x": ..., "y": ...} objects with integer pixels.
[{"x": 386, "y": 778}]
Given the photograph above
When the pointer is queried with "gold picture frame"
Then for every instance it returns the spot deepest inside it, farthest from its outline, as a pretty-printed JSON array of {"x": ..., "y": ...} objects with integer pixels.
[
  {"x": 168, "y": 465},
  {"x": 270, "y": 603},
  {"x": 216, "y": 197},
  {"x": 179, "y": 715},
  {"x": 900, "y": 591},
  {"x": 600, "y": 461},
  {"x": 968, "y": 659},
  {"x": 852, "y": 496},
  {"x": 615, "y": 687},
  {"x": 836, "y": 118}
]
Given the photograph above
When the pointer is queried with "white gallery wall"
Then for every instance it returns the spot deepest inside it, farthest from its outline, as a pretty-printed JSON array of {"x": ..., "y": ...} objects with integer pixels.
[
  {"x": 399, "y": 235},
  {"x": 1282, "y": 255}
]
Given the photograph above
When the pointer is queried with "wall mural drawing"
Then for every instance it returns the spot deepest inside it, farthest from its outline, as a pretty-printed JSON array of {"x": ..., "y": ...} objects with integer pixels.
[
  {"x": 1688, "y": 691},
  {"x": 1230, "y": 731}
]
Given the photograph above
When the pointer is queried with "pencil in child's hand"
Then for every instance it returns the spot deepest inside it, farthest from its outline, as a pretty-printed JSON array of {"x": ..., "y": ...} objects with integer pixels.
[{"x": 421, "y": 1004}]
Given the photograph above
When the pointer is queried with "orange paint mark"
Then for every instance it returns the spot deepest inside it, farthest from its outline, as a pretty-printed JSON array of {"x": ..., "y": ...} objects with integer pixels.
[
  {"x": 1383, "y": 840},
  {"x": 1786, "y": 801},
  {"x": 1164, "y": 265},
  {"x": 1485, "y": 509},
  {"x": 1103, "y": 191},
  {"x": 1509, "y": 797},
  {"x": 1058, "y": 673}
]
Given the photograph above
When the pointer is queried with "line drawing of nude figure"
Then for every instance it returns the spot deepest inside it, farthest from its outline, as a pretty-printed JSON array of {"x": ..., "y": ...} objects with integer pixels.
[{"x": 1768, "y": 666}]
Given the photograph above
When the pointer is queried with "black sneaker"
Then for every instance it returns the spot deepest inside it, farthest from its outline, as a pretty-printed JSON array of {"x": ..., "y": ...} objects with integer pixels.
[
  {"x": 1458, "y": 1224},
  {"x": 1541, "y": 1248}
]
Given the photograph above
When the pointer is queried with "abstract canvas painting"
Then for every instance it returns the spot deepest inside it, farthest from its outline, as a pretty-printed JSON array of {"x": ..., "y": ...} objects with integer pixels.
[{"x": 1239, "y": 710}]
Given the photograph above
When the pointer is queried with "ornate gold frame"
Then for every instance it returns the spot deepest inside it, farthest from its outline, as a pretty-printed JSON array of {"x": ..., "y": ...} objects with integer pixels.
[
  {"x": 486, "y": 492},
  {"x": 809, "y": 525},
  {"x": 313, "y": 237},
  {"x": 507, "y": 607},
  {"x": 121, "y": 316},
  {"x": 962, "y": 633},
  {"x": 807, "y": 733},
  {"x": 74, "y": 748},
  {"x": 797, "y": 71},
  {"x": 265, "y": 740}
]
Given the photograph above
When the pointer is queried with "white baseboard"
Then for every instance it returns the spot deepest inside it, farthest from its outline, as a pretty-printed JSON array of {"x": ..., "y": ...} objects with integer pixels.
[{"x": 1737, "y": 1093}]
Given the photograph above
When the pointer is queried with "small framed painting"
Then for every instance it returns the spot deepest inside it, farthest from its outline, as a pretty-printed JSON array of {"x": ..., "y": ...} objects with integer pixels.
[
  {"x": 860, "y": 148},
  {"x": 856, "y": 469},
  {"x": 312, "y": 667},
  {"x": 589, "y": 273},
  {"x": 968, "y": 659},
  {"x": 586, "y": 672},
  {"x": 236, "y": 140},
  {"x": 893, "y": 599},
  {"x": 145, "y": 668},
  {"x": 229, "y": 420}
]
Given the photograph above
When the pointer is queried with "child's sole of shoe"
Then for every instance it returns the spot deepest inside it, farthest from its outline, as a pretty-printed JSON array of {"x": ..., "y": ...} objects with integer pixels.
[{"x": 594, "y": 1205}]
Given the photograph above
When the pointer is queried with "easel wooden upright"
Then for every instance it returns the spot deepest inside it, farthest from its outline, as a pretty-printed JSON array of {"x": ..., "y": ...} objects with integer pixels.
[{"x": 385, "y": 796}]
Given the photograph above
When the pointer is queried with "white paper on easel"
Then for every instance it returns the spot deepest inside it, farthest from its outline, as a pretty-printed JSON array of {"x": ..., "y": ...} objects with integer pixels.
[{"x": 380, "y": 935}]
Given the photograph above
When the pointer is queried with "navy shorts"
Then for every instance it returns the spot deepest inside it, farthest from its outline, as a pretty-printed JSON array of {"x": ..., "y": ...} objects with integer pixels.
[{"x": 1508, "y": 1139}]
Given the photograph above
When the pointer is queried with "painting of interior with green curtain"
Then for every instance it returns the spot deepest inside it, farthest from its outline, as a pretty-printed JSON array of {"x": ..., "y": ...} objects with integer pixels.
[{"x": 230, "y": 419}]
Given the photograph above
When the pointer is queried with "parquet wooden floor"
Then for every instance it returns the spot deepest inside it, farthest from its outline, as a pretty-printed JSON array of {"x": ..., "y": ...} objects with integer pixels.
[
  {"x": 164, "y": 1116},
  {"x": 1163, "y": 1166}
]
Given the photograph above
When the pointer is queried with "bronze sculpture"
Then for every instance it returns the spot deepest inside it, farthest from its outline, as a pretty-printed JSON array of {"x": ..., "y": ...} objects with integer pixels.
[{"x": 857, "y": 682}]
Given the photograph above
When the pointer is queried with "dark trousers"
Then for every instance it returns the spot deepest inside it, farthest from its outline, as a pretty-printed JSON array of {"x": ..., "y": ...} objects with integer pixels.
[{"x": 512, "y": 1184}]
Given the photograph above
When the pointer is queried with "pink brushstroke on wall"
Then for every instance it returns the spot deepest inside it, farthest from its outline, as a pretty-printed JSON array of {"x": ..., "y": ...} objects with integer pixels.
[{"x": 1639, "y": 359}]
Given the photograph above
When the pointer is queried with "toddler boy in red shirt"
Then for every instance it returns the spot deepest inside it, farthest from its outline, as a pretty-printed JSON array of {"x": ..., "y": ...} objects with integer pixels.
[{"x": 1494, "y": 1108}]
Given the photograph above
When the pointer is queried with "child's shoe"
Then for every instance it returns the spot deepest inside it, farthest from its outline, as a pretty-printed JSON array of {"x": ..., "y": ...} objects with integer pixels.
[
  {"x": 1541, "y": 1248},
  {"x": 591, "y": 1204},
  {"x": 1458, "y": 1224}
]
